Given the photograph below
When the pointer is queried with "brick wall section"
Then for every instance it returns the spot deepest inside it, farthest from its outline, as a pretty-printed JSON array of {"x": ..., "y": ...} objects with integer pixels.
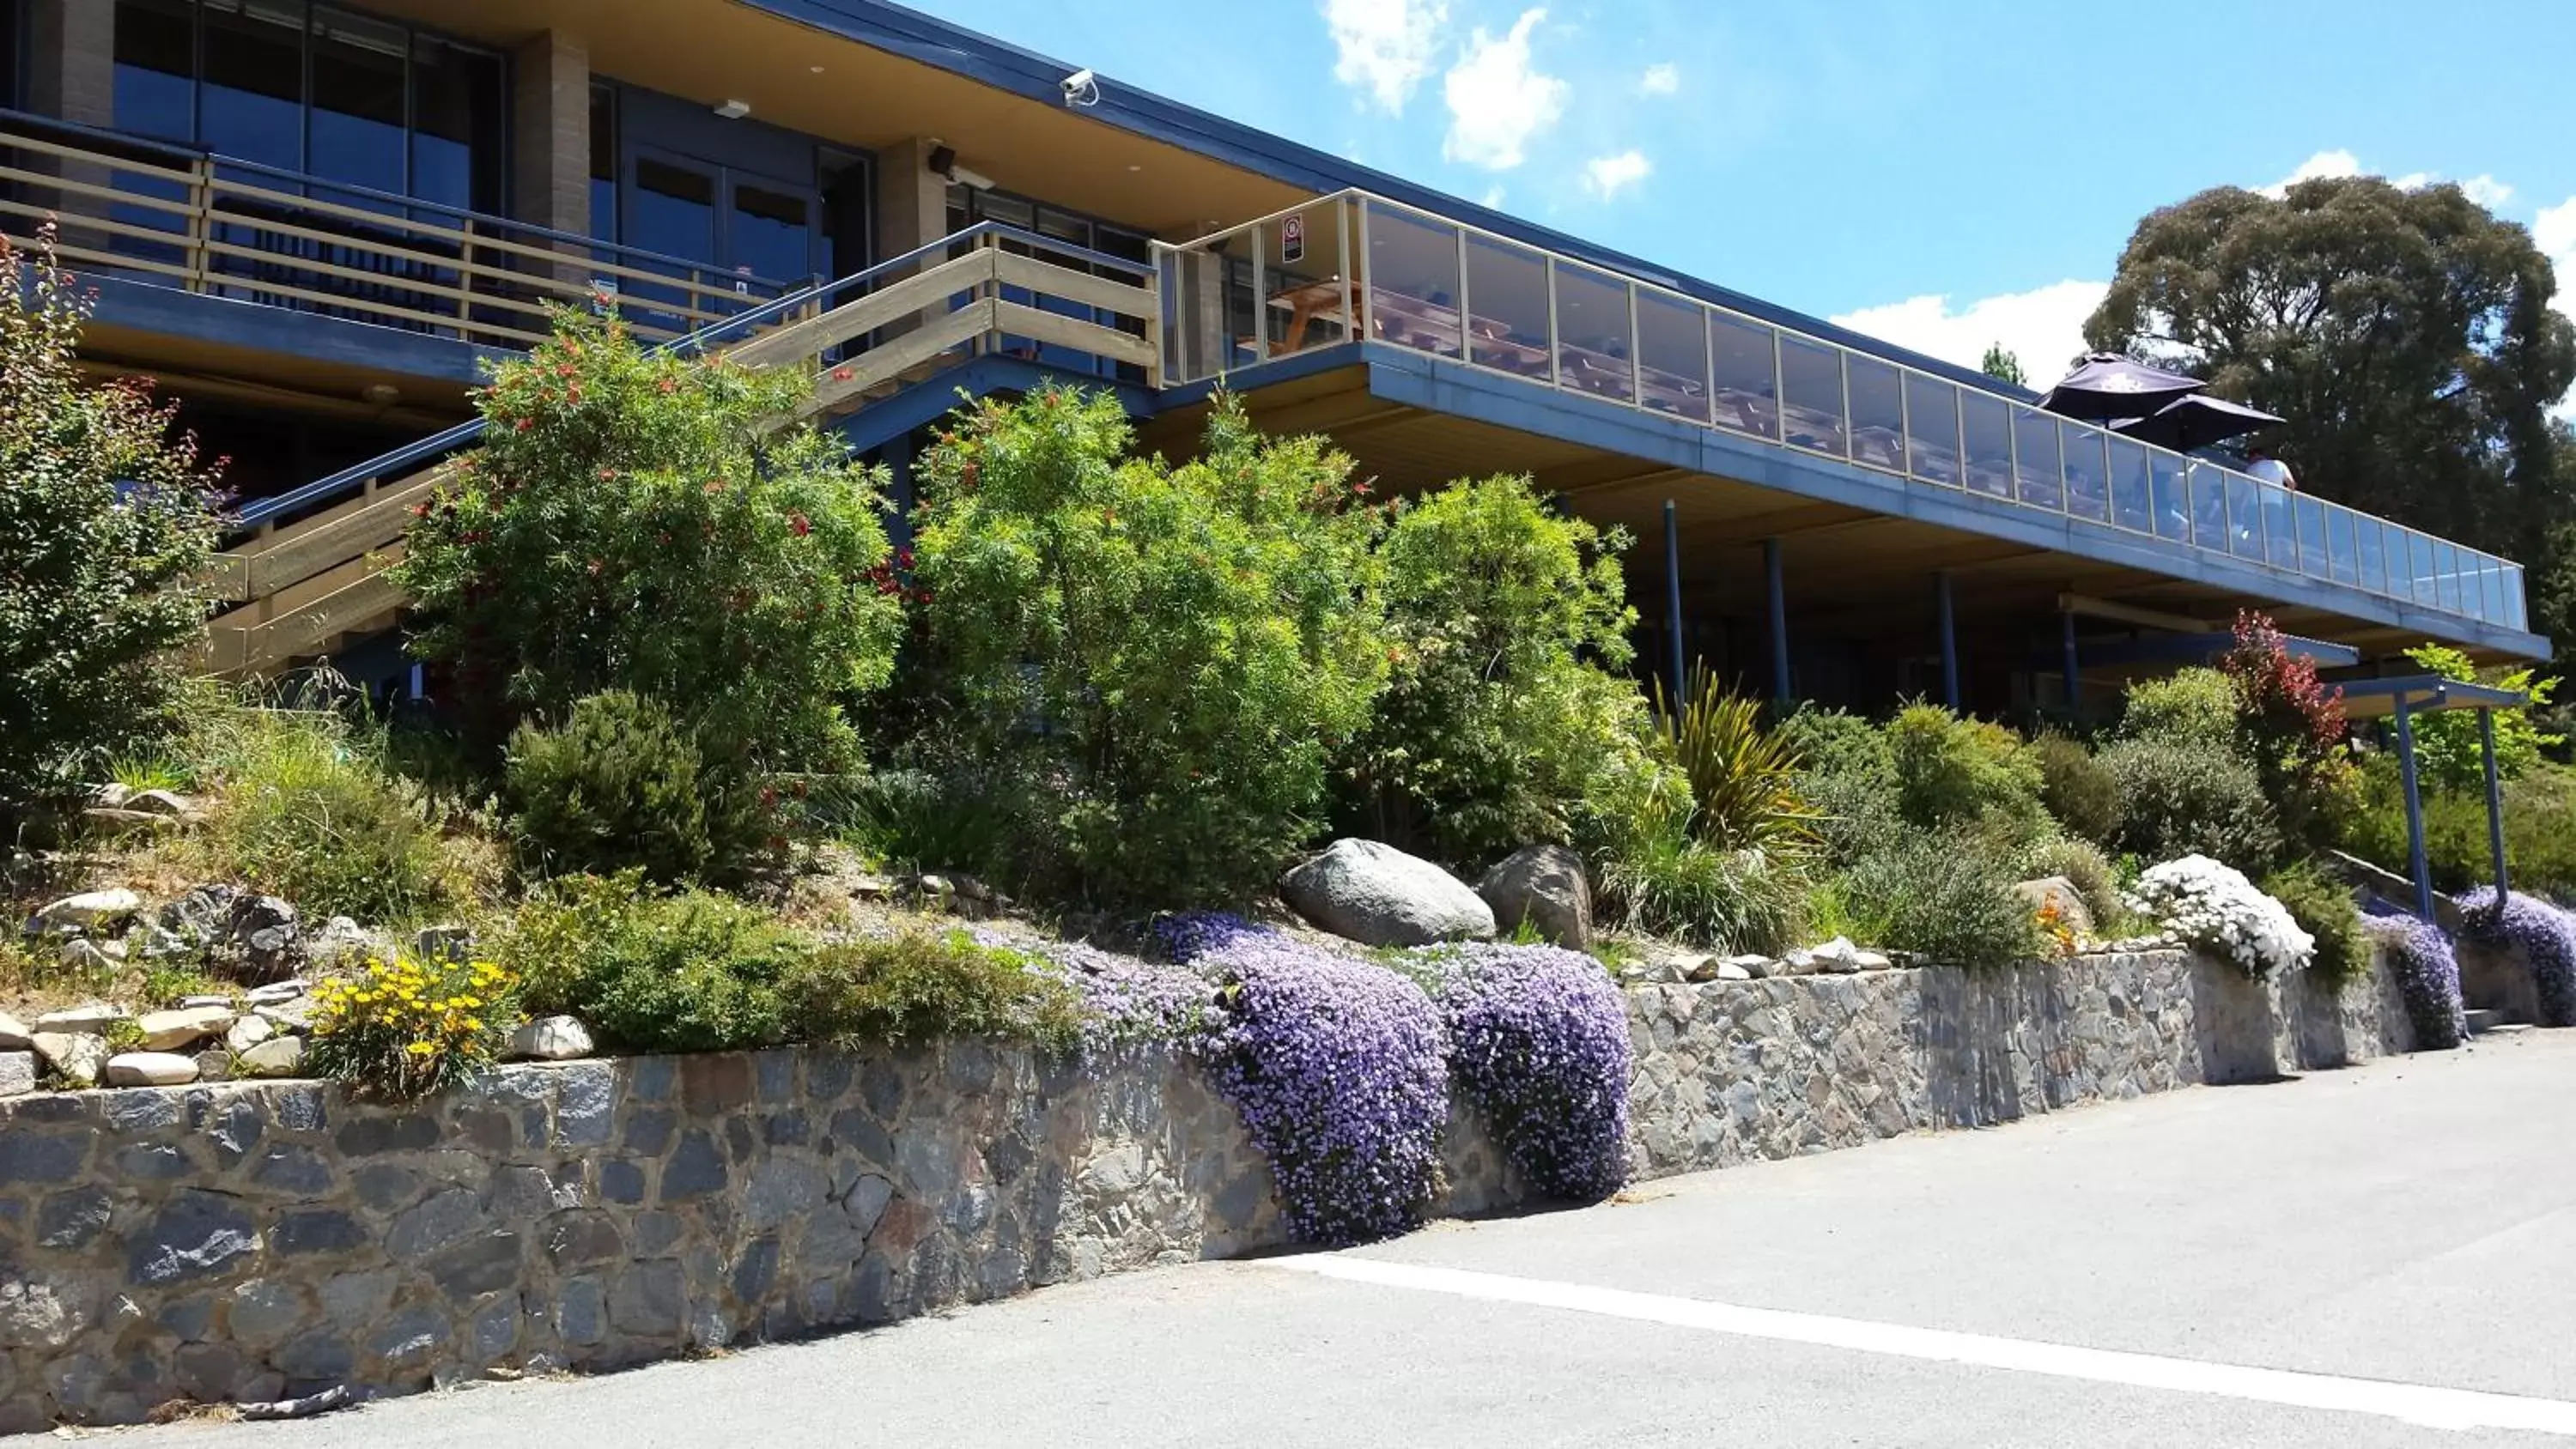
[
  {"x": 71, "y": 60},
  {"x": 248, "y": 1241},
  {"x": 550, "y": 137}
]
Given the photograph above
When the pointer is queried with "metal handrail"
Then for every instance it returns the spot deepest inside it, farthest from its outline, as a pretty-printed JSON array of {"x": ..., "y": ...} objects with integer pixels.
[
  {"x": 424, "y": 449},
  {"x": 170, "y": 151}
]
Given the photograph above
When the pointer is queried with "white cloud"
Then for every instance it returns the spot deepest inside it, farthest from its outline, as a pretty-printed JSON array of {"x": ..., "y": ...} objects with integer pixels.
[
  {"x": 2553, "y": 230},
  {"x": 1661, "y": 79},
  {"x": 1492, "y": 200},
  {"x": 2486, "y": 191},
  {"x": 1607, "y": 176},
  {"x": 1385, "y": 47},
  {"x": 2483, "y": 189},
  {"x": 2043, "y": 327},
  {"x": 2322, "y": 164},
  {"x": 1497, "y": 100}
]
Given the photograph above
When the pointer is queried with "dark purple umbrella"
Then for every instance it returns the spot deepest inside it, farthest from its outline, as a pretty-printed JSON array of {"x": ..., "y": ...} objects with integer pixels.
[
  {"x": 2195, "y": 422},
  {"x": 2106, "y": 385}
]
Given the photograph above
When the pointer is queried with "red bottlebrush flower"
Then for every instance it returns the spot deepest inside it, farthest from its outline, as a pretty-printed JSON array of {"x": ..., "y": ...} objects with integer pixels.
[
  {"x": 903, "y": 558},
  {"x": 924, "y": 596},
  {"x": 715, "y": 485},
  {"x": 565, "y": 369},
  {"x": 420, "y": 510},
  {"x": 669, "y": 385},
  {"x": 572, "y": 396},
  {"x": 768, "y": 796},
  {"x": 526, "y": 423},
  {"x": 607, "y": 475},
  {"x": 840, "y": 374},
  {"x": 797, "y": 524},
  {"x": 595, "y": 566},
  {"x": 888, "y": 586}
]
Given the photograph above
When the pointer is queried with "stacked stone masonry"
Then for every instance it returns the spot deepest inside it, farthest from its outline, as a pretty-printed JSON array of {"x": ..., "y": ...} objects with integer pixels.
[{"x": 256, "y": 1241}]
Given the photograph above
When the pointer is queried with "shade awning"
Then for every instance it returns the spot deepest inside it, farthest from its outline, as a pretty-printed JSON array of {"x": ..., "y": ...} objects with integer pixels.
[{"x": 2423, "y": 694}]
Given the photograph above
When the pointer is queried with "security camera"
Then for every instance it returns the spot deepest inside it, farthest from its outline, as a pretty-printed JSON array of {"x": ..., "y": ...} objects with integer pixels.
[{"x": 1082, "y": 88}]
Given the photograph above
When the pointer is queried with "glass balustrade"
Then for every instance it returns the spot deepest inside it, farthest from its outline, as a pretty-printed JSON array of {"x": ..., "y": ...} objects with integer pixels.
[{"x": 1352, "y": 266}]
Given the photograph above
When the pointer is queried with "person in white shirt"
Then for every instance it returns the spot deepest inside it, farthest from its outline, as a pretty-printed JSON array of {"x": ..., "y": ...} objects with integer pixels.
[{"x": 2260, "y": 463}]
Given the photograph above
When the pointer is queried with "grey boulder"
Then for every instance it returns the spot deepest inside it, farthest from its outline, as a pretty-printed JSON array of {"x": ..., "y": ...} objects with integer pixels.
[
  {"x": 1545, "y": 886},
  {"x": 1379, "y": 896}
]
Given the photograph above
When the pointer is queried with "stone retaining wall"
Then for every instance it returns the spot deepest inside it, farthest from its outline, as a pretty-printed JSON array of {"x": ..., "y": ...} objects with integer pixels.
[{"x": 257, "y": 1240}]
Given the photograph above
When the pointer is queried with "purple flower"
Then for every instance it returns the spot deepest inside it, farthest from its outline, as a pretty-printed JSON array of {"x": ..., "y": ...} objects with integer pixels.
[
  {"x": 1188, "y": 935},
  {"x": 1125, "y": 1001},
  {"x": 2428, "y": 979},
  {"x": 1538, "y": 1041},
  {"x": 2546, "y": 936},
  {"x": 1335, "y": 1065}
]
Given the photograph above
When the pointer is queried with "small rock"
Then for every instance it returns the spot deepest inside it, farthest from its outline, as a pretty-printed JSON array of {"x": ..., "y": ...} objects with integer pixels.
[
  {"x": 1696, "y": 967},
  {"x": 163, "y": 802},
  {"x": 2057, "y": 889},
  {"x": 293, "y": 1017},
  {"x": 1375, "y": 894},
  {"x": 265, "y": 930},
  {"x": 549, "y": 1039},
  {"x": 84, "y": 957},
  {"x": 214, "y": 1065},
  {"x": 92, "y": 1017},
  {"x": 17, "y": 1073},
  {"x": 870, "y": 887},
  {"x": 152, "y": 941},
  {"x": 90, "y": 908},
  {"x": 126, "y": 822},
  {"x": 277, "y": 1057},
  {"x": 204, "y": 914},
  {"x": 275, "y": 992},
  {"x": 1753, "y": 964},
  {"x": 342, "y": 941},
  {"x": 76, "y": 1056},
  {"x": 1837, "y": 957},
  {"x": 192, "y": 1001},
  {"x": 935, "y": 885},
  {"x": 1546, "y": 887},
  {"x": 1729, "y": 971},
  {"x": 970, "y": 889},
  {"x": 168, "y": 1031},
  {"x": 14, "y": 1035},
  {"x": 111, "y": 795},
  {"x": 1871, "y": 961},
  {"x": 447, "y": 943},
  {"x": 248, "y": 1032},
  {"x": 150, "y": 1069}
]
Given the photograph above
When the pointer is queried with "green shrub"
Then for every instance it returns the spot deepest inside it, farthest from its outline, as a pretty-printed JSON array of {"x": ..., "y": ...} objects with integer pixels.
[
  {"x": 409, "y": 1027},
  {"x": 2080, "y": 795},
  {"x": 2179, "y": 799},
  {"x": 1848, "y": 776},
  {"x": 1743, "y": 778},
  {"x": 2449, "y": 753},
  {"x": 2539, "y": 829},
  {"x": 1952, "y": 772},
  {"x": 2085, "y": 867},
  {"x": 2194, "y": 707},
  {"x": 621, "y": 784},
  {"x": 651, "y": 972},
  {"x": 1508, "y": 624},
  {"x": 919, "y": 987},
  {"x": 1949, "y": 896},
  {"x": 1666, "y": 881},
  {"x": 103, "y": 516},
  {"x": 957, "y": 819},
  {"x": 1164, "y": 658},
  {"x": 642, "y": 522},
  {"x": 2323, "y": 907},
  {"x": 306, "y": 811}
]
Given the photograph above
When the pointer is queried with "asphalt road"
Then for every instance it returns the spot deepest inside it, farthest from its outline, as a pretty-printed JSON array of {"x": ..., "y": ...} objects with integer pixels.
[{"x": 2349, "y": 1259}]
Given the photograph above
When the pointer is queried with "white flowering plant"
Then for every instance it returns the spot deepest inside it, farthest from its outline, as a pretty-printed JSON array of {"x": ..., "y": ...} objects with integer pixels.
[{"x": 2207, "y": 904}]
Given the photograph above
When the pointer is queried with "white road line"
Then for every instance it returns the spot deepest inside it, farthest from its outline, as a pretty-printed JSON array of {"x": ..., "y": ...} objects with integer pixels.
[{"x": 2420, "y": 1404}]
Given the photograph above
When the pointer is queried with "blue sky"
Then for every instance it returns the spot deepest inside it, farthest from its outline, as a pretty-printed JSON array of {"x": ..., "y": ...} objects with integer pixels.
[{"x": 1941, "y": 174}]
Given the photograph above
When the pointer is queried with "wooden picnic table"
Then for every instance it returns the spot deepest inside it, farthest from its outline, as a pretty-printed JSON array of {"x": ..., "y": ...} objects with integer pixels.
[{"x": 1307, "y": 301}]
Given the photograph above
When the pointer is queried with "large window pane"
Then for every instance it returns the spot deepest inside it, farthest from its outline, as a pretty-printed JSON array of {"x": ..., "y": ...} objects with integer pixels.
[
  {"x": 252, "y": 104},
  {"x": 773, "y": 234},
  {"x": 1746, "y": 391},
  {"x": 2312, "y": 536},
  {"x": 603, "y": 162},
  {"x": 457, "y": 141},
  {"x": 2422, "y": 585},
  {"x": 1672, "y": 356},
  {"x": 2088, "y": 474},
  {"x": 2038, "y": 481},
  {"x": 1412, "y": 279},
  {"x": 2209, "y": 528},
  {"x": 2168, "y": 484},
  {"x": 1507, "y": 287},
  {"x": 2279, "y": 532},
  {"x": 1932, "y": 429},
  {"x": 1877, "y": 412},
  {"x": 156, "y": 68},
  {"x": 1811, "y": 395},
  {"x": 2340, "y": 546},
  {"x": 2490, "y": 606},
  {"x": 1592, "y": 351},
  {"x": 1988, "y": 440},
  {"x": 2374, "y": 557},
  {"x": 2515, "y": 613},
  {"x": 358, "y": 101},
  {"x": 2446, "y": 577},
  {"x": 2244, "y": 516}
]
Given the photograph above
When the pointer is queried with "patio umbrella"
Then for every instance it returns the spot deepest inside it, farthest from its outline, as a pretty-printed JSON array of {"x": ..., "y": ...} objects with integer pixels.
[
  {"x": 2195, "y": 421},
  {"x": 2106, "y": 385}
]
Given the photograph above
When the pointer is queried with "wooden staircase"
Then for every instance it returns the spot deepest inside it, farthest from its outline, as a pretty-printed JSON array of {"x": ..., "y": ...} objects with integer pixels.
[{"x": 306, "y": 588}]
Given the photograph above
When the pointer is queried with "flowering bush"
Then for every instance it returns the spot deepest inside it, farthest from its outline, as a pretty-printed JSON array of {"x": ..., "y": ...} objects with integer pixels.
[
  {"x": 2546, "y": 936},
  {"x": 1124, "y": 1001},
  {"x": 2214, "y": 907},
  {"x": 1185, "y": 936},
  {"x": 2291, "y": 728},
  {"x": 1538, "y": 1041},
  {"x": 2428, "y": 979},
  {"x": 408, "y": 1027},
  {"x": 1336, "y": 1067}
]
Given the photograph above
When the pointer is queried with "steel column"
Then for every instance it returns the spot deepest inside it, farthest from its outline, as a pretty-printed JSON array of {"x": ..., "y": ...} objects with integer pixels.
[
  {"x": 1771, "y": 570},
  {"x": 2495, "y": 802},
  {"x": 1949, "y": 641},
  {"x": 2423, "y": 869},
  {"x": 1673, "y": 599}
]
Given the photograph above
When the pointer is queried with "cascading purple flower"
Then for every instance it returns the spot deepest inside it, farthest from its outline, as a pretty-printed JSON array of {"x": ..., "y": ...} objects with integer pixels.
[
  {"x": 1125, "y": 1001},
  {"x": 1538, "y": 1041},
  {"x": 2428, "y": 979},
  {"x": 2546, "y": 936},
  {"x": 1185, "y": 936},
  {"x": 1336, "y": 1067}
]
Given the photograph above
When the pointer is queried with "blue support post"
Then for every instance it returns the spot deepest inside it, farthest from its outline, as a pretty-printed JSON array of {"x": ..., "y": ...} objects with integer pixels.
[
  {"x": 896, "y": 454},
  {"x": 2414, "y": 813},
  {"x": 1949, "y": 641},
  {"x": 2495, "y": 801},
  {"x": 1673, "y": 598},
  {"x": 2074, "y": 681},
  {"x": 1779, "y": 596},
  {"x": 418, "y": 689}
]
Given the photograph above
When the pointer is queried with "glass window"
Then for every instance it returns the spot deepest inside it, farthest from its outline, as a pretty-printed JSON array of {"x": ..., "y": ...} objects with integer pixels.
[
  {"x": 1988, "y": 440},
  {"x": 252, "y": 105},
  {"x": 357, "y": 115},
  {"x": 2132, "y": 489},
  {"x": 457, "y": 140},
  {"x": 1592, "y": 351},
  {"x": 2279, "y": 532},
  {"x": 10, "y": 20},
  {"x": 2038, "y": 480},
  {"x": 2244, "y": 517},
  {"x": 2490, "y": 590},
  {"x": 2088, "y": 472},
  {"x": 2374, "y": 556},
  {"x": 603, "y": 163},
  {"x": 1877, "y": 412},
  {"x": 2339, "y": 546},
  {"x": 2209, "y": 528},
  {"x": 2446, "y": 577},
  {"x": 2419, "y": 552},
  {"x": 156, "y": 68},
  {"x": 2312, "y": 535},
  {"x": 2513, "y": 602},
  {"x": 1412, "y": 280},
  {"x": 1509, "y": 286},
  {"x": 773, "y": 234},
  {"x": 1672, "y": 356},
  {"x": 1811, "y": 395},
  {"x": 1747, "y": 392},
  {"x": 2169, "y": 484},
  {"x": 1932, "y": 428}
]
